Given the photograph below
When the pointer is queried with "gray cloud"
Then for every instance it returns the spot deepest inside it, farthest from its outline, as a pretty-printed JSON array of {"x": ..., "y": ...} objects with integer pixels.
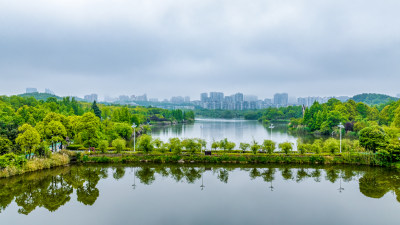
[{"x": 181, "y": 47}]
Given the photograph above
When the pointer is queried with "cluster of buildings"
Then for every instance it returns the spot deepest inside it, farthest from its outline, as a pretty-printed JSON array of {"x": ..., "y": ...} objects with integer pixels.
[
  {"x": 35, "y": 90},
  {"x": 239, "y": 101}
]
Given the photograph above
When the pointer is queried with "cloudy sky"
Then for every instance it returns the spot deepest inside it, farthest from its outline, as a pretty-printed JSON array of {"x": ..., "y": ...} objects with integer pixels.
[{"x": 184, "y": 47}]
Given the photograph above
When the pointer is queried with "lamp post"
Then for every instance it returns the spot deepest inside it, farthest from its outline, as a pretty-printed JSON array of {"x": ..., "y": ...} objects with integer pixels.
[
  {"x": 134, "y": 137},
  {"x": 340, "y": 131},
  {"x": 271, "y": 127}
]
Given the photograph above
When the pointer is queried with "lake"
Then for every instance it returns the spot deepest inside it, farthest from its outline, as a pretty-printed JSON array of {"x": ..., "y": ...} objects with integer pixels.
[
  {"x": 202, "y": 194},
  {"x": 235, "y": 130}
]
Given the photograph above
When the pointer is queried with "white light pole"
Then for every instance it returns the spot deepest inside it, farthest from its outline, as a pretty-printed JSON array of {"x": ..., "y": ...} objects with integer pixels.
[
  {"x": 134, "y": 137},
  {"x": 271, "y": 127},
  {"x": 340, "y": 131}
]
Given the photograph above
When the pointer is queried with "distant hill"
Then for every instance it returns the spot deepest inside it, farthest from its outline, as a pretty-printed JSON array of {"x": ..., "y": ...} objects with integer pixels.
[
  {"x": 44, "y": 96},
  {"x": 373, "y": 99}
]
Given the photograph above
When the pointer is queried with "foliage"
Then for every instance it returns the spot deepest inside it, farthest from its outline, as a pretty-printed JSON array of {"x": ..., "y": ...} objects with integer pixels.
[
  {"x": 286, "y": 147},
  {"x": 119, "y": 144},
  {"x": 268, "y": 146},
  {"x": 28, "y": 138},
  {"x": 175, "y": 145},
  {"x": 5, "y": 145},
  {"x": 254, "y": 146},
  {"x": 103, "y": 145},
  {"x": 373, "y": 138},
  {"x": 244, "y": 146},
  {"x": 145, "y": 143}
]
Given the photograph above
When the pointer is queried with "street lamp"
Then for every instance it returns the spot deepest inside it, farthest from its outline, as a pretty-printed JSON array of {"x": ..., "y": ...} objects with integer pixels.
[
  {"x": 134, "y": 137},
  {"x": 340, "y": 131},
  {"x": 271, "y": 127}
]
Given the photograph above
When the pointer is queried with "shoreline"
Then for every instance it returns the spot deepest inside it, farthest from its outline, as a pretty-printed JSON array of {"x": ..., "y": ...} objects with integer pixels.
[{"x": 357, "y": 159}]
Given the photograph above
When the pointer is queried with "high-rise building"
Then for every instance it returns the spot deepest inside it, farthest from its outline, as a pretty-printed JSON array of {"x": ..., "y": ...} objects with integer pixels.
[
  {"x": 153, "y": 99},
  {"x": 31, "y": 90},
  {"x": 216, "y": 96},
  {"x": 91, "y": 98},
  {"x": 141, "y": 98},
  {"x": 250, "y": 98},
  {"x": 238, "y": 97},
  {"x": 203, "y": 97},
  {"x": 177, "y": 99},
  {"x": 48, "y": 91},
  {"x": 123, "y": 98},
  {"x": 187, "y": 99},
  {"x": 281, "y": 99}
]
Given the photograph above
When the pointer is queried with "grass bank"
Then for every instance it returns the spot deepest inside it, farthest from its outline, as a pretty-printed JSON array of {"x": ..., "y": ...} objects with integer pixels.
[
  {"x": 55, "y": 160},
  {"x": 369, "y": 159}
]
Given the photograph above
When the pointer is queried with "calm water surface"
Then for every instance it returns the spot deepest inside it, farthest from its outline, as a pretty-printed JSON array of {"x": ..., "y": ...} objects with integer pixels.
[
  {"x": 202, "y": 194},
  {"x": 217, "y": 129}
]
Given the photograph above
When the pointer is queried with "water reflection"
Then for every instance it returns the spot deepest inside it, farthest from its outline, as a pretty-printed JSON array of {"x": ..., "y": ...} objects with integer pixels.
[
  {"x": 217, "y": 129},
  {"x": 52, "y": 189}
]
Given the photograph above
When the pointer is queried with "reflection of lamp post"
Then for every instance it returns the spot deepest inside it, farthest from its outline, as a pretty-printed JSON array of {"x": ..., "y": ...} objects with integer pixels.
[
  {"x": 340, "y": 187},
  {"x": 202, "y": 185},
  {"x": 272, "y": 187},
  {"x": 340, "y": 130},
  {"x": 271, "y": 127},
  {"x": 134, "y": 178},
  {"x": 134, "y": 137}
]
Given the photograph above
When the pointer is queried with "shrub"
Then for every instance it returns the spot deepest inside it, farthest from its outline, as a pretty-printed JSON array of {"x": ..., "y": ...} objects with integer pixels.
[
  {"x": 244, "y": 146},
  {"x": 331, "y": 145},
  {"x": 254, "y": 147},
  {"x": 119, "y": 144},
  {"x": 74, "y": 147},
  {"x": 103, "y": 145},
  {"x": 145, "y": 143},
  {"x": 286, "y": 147},
  {"x": 268, "y": 146}
]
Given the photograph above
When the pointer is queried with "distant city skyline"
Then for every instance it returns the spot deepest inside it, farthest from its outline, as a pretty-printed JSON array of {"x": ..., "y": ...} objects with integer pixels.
[{"x": 291, "y": 99}]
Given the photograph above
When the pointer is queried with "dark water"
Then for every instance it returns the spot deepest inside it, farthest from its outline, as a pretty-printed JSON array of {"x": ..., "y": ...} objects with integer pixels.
[{"x": 202, "y": 194}]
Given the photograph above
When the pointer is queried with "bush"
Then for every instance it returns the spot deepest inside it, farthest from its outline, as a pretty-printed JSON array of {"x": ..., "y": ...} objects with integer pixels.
[
  {"x": 268, "y": 146},
  {"x": 145, "y": 143},
  {"x": 119, "y": 144},
  {"x": 286, "y": 147},
  {"x": 74, "y": 147},
  {"x": 331, "y": 145},
  {"x": 103, "y": 145}
]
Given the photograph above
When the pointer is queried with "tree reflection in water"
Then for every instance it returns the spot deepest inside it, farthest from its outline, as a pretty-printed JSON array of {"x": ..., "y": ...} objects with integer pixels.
[{"x": 51, "y": 189}]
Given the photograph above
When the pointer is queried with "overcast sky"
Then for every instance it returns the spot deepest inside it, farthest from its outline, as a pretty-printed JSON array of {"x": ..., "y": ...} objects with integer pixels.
[{"x": 184, "y": 47}]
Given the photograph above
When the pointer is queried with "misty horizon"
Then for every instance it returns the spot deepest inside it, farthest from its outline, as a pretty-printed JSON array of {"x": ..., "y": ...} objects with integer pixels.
[{"x": 174, "y": 48}]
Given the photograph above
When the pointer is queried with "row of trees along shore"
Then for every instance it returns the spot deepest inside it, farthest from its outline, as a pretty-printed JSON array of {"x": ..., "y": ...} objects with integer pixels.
[{"x": 29, "y": 126}]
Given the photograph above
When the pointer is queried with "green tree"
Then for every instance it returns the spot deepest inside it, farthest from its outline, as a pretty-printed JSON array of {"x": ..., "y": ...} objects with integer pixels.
[
  {"x": 331, "y": 145},
  {"x": 254, "y": 146},
  {"x": 145, "y": 143},
  {"x": 286, "y": 147},
  {"x": 5, "y": 145},
  {"x": 191, "y": 145},
  {"x": 28, "y": 138},
  {"x": 214, "y": 145},
  {"x": 96, "y": 109},
  {"x": 244, "y": 146},
  {"x": 89, "y": 129},
  {"x": 372, "y": 138},
  {"x": 268, "y": 146},
  {"x": 119, "y": 144},
  {"x": 175, "y": 145},
  {"x": 103, "y": 145},
  {"x": 230, "y": 146}
]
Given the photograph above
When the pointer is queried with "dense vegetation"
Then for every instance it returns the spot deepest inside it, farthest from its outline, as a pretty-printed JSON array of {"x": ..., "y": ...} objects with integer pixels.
[
  {"x": 29, "y": 126},
  {"x": 374, "y": 99}
]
